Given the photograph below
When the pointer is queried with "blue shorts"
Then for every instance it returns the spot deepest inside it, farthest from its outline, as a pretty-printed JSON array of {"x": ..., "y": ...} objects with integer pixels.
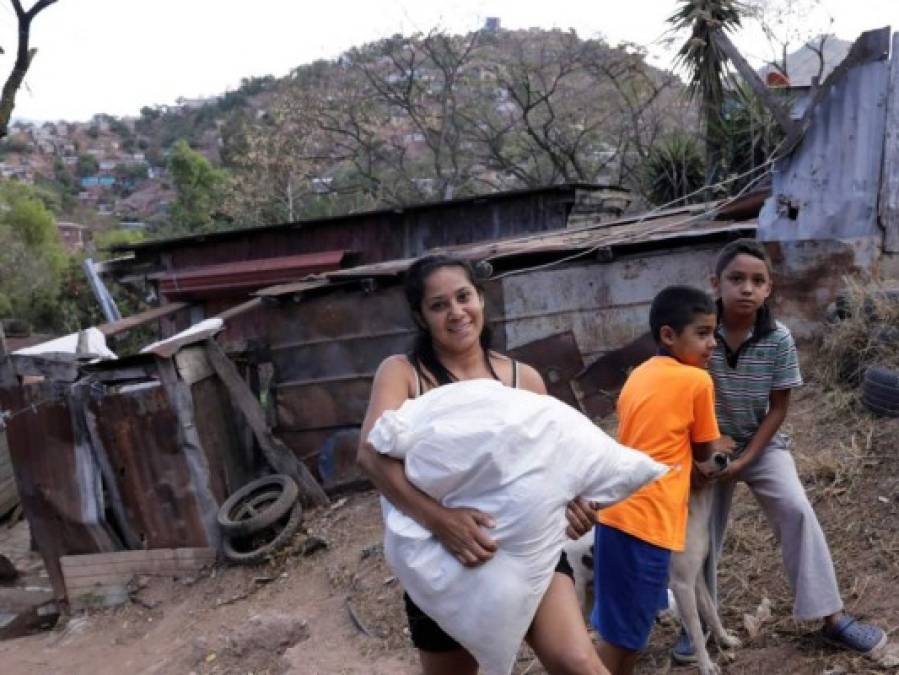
[{"x": 629, "y": 586}]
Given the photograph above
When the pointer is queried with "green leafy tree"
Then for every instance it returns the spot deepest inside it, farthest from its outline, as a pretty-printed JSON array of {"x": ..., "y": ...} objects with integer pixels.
[
  {"x": 87, "y": 166},
  {"x": 106, "y": 239},
  {"x": 749, "y": 136},
  {"x": 198, "y": 188},
  {"x": 673, "y": 171},
  {"x": 32, "y": 259},
  {"x": 706, "y": 64}
]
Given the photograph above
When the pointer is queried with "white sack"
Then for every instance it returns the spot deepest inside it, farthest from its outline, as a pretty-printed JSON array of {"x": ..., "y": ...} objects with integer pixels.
[{"x": 518, "y": 456}]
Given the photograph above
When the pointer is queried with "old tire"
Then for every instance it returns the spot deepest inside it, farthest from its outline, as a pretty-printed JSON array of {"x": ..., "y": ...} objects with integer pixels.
[
  {"x": 880, "y": 391},
  {"x": 263, "y": 542},
  {"x": 239, "y": 517}
]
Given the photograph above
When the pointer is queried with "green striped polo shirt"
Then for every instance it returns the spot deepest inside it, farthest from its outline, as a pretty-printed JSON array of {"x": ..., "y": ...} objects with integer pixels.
[{"x": 744, "y": 378}]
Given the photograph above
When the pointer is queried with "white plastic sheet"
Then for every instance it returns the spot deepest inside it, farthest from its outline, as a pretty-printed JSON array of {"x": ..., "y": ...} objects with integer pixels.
[
  {"x": 518, "y": 456},
  {"x": 96, "y": 344}
]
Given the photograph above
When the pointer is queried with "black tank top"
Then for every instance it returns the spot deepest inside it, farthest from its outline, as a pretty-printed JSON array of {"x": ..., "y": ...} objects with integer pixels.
[{"x": 419, "y": 383}]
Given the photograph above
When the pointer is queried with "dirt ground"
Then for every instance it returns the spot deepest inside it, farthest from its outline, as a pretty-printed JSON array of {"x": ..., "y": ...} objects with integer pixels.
[{"x": 336, "y": 610}]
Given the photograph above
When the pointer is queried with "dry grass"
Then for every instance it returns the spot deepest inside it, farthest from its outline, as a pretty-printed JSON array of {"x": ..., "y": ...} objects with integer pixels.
[
  {"x": 866, "y": 334},
  {"x": 849, "y": 464}
]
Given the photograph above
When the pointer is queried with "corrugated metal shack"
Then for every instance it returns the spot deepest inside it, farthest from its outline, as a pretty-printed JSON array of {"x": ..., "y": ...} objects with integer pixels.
[
  {"x": 132, "y": 453},
  {"x": 834, "y": 204},
  {"x": 570, "y": 292},
  {"x": 213, "y": 270},
  {"x": 324, "y": 336}
]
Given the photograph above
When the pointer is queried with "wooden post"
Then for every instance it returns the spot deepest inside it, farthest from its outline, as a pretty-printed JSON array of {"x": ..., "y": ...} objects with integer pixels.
[
  {"x": 781, "y": 114},
  {"x": 83, "y": 345},
  {"x": 7, "y": 371},
  {"x": 276, "y": 453},
  {"x": 889, "y": 180}
]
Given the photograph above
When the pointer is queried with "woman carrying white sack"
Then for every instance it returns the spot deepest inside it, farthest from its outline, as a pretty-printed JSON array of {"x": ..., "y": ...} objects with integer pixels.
[{"x": 447, "y": 303}]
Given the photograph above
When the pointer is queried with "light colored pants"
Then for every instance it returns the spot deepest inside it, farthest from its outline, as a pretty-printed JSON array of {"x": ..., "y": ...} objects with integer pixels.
[{"x": 774, "y": 482}]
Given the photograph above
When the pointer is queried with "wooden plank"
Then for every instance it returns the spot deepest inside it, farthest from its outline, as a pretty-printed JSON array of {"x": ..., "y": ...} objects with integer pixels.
[
  {"x": 186, "y": 554},
  {"x": 142, "y": 318},
  {"x": 780, "y": 112},
  {"x": 193, "y": 365},
  {"x": 143, "y": 560},
  {"x": 276, "y": 453},
  {"x": 888, "y": 203},
  {"x": 127, "y": 568},
  {"x": 202, "y": 505},
  {"x": 54, "y": 367},
  {"x": 103, "y": 578},
  {"x": 242, "y": 308}
]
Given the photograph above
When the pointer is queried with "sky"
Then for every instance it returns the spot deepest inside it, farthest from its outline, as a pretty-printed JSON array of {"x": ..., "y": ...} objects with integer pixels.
[{"x": 116, "y": 56}]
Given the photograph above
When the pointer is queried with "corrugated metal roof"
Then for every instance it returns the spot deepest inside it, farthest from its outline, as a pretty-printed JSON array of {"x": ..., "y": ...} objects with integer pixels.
[
  {"x": 425, "y": 206},
  {"x": 238, "y": 277},
  {"x": 670, "y": 225}
]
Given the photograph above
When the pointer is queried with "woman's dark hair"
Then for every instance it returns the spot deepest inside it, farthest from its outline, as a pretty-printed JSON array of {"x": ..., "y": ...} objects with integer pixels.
[
  {"x": 423, "y": 356},
  {"x": 741, "y": 247}
]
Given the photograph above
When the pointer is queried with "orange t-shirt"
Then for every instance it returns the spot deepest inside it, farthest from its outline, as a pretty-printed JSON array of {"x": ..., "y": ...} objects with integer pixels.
[{"x": 663, "y": 407}]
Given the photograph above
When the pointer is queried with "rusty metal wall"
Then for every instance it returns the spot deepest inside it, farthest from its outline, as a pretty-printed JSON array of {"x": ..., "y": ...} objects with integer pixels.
[
  {"x": 9, "y": 497},
  {"x": 383, "y": 235},
  {"x": 230, "y": 459},
  {"x": 827, "y": 188},
  {"x": 57, "y": 476},
  {"x": 605, "y": 304},
  {"x": 809, "y": 274},
  {"x": 325, "y": 351},
  {"x": 136, "y": 428}
]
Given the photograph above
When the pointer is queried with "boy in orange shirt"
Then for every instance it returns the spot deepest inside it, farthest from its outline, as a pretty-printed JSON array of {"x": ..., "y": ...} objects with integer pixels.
[{"x": 666, "y": 409}]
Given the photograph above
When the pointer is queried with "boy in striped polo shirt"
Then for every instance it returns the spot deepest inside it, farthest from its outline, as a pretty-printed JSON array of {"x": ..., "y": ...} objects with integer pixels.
[{"x": 755, "y": 367}]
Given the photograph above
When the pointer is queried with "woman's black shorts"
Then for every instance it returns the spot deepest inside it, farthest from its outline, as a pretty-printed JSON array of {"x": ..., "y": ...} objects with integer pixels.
[{"x": 429, "y": 637}]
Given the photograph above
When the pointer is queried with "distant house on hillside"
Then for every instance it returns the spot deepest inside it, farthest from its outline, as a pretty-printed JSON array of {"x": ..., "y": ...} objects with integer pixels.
[
  {"x": 97, "y": 181},
  {"x": 73, "y": 236},
  {"x": 194, "y": 103}
]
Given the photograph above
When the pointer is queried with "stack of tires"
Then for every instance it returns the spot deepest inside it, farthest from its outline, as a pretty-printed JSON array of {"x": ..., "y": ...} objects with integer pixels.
[
  {"x": 880, "y": 391},
  {"x": 259, "y": 518}
]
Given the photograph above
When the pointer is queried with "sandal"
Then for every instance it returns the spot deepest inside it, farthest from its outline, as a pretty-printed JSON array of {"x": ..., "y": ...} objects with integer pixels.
[{"x": 850, "y": 633}]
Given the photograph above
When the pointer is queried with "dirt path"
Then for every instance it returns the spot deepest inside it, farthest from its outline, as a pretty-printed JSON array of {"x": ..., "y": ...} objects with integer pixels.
[{"x": 288, "y": 616}]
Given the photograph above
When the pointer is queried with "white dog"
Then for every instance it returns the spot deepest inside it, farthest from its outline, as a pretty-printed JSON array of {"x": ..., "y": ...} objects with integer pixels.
[{"x": 685, "y": 575}]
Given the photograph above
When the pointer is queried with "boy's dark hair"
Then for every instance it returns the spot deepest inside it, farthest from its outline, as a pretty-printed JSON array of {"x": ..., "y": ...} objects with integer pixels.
[
  {"x": 677, "y": 306},
  {"x": 738, "y": 247}
]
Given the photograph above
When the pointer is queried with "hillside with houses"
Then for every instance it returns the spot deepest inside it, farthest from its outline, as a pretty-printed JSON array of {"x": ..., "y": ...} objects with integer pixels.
[{"x": 402, "y": 120}]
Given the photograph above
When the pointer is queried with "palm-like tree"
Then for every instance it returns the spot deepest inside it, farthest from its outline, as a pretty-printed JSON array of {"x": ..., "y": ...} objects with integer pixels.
[{"x": 704, "y": 61}]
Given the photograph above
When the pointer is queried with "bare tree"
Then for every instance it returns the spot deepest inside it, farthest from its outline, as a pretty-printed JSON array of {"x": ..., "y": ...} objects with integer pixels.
[
  {"x": 789, "y": 25},
  {"x": 415, "y": 118},
  {"x": 24, "y": 56},
  {"x": 419, "y": 78}
]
